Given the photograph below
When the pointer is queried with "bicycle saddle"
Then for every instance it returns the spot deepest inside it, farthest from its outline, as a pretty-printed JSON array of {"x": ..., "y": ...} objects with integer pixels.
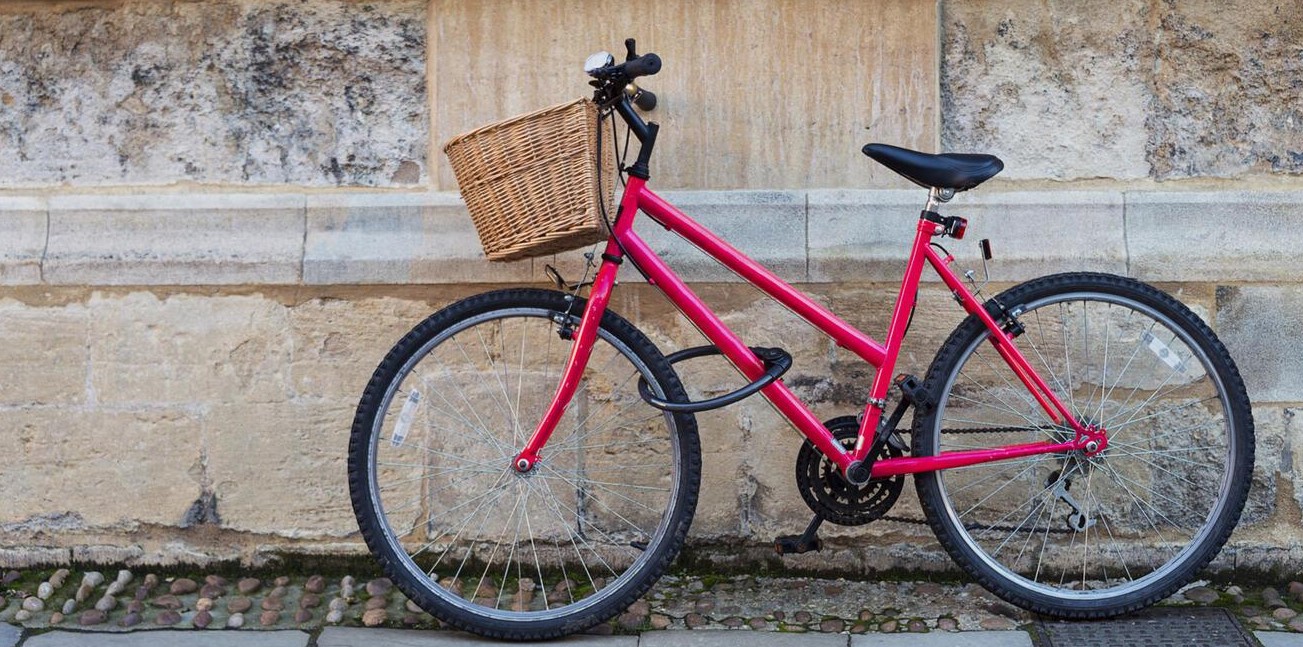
[{"x": 958, "y": 171}]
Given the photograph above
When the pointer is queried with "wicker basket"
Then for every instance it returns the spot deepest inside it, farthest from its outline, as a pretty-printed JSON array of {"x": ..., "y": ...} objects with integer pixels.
[{"x": 530, "y": 182}]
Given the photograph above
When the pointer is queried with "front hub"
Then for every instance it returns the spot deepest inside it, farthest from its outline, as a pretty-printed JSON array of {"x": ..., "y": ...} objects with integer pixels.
[{"x": 524, "y": 464}]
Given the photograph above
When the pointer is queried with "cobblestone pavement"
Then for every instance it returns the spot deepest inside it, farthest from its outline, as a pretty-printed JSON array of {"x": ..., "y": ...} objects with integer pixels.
[{"x": 316, "y": 608}]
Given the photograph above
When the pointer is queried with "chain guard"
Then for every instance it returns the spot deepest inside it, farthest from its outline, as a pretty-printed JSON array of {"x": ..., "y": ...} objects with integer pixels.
[{"x": 830, "y": 495}]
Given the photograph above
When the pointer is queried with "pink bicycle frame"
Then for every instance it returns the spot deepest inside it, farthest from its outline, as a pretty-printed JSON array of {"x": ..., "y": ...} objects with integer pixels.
[{"x": 883, "y": 356}]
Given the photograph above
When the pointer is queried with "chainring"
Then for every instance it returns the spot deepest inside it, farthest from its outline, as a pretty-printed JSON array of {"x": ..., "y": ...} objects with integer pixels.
[{"x": 830, "y": 495}]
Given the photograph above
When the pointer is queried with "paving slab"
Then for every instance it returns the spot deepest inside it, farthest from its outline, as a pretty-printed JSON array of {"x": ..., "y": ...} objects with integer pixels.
[
  {"x": 353, "y": 637},
  {"x": 946, "y": 639},
  {"x": 721, "y": 638},
  {"x": 10, "y": 635},
  {"x": 166, "y": 638},
  {"x": 1267, "y": 638}
]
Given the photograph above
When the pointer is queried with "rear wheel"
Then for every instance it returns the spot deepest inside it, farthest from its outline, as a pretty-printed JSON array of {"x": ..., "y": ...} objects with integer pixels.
[
  {"x": 570, "y": 543},
  {"x": 1076, "y": 536}
]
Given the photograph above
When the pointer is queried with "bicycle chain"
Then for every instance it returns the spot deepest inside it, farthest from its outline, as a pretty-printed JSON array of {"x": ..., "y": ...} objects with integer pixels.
[{"x": 969, "y": 430}]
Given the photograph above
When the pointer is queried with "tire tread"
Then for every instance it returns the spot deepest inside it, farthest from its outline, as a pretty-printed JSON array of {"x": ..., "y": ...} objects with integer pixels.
[
  {"x": 930, "y": 494},
  {"x": 358, "y": 469}
]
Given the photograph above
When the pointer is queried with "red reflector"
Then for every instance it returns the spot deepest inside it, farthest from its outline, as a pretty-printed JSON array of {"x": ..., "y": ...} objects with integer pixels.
[{"x": 961, "y": 226}]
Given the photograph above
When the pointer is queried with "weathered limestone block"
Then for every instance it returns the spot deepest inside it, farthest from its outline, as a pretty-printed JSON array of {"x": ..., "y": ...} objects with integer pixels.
[
  {"x": 1261, "y": 328},
  {"x": 1222, "y": 236},
  {"x": 109, "y": 467},
  {"x": 1124, "y": 89},
  {"x": 280, "y": 468},
  {"x": 176, "y": 239},
  {"x": 398, "y": 238},
  {"x": 188, "y": 350},
  {"x": 1275, "y": 435},
  {"x": 23, "y": 222},
  {"x": 44, "y": 357},
  {"x": 335, "y": 344},
  {"x": 266, "y": 92}
]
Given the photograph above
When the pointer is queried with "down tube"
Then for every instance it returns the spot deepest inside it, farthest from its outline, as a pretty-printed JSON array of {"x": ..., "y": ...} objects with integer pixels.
[{"x": 660, "y": 275}]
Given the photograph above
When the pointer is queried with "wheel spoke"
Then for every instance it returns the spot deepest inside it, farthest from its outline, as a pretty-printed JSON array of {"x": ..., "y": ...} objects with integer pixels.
[
  {"x": 472, "y": 530},
  {"x": 1167, "y": 474}
]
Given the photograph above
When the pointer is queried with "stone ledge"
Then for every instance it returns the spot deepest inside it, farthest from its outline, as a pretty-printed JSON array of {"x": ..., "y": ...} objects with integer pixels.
[
  {"x": 24, "y": 225},
  {"x": 813, "y": 236},
  {"x": 866, "y": 235},
  {"x": 768, "y": 226},
  {"x": 1215, "y": 235},
  {"x": 397, "y": 238},
  {"x": 175, "y": 239}
]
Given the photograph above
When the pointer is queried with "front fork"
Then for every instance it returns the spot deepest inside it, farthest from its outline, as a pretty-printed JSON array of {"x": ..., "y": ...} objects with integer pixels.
[{"x": 598, "y": 298}]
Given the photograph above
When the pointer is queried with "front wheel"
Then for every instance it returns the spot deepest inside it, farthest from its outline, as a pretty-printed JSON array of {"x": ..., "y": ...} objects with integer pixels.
[
  {"x": 555, "y": 550},
  {"x": 1079, "y": 536}
]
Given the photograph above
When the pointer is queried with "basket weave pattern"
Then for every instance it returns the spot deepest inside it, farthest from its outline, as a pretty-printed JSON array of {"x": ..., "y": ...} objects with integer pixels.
[{"x": 530, "y": 182}]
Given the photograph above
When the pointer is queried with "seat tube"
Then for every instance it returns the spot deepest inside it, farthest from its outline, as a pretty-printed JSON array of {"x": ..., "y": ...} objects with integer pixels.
[
  {"x": 895, "y": 336},
  {"x": 598, "y": 298}
]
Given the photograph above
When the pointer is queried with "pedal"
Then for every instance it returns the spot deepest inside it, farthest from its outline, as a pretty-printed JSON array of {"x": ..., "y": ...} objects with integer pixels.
[
  {"x": 912, "y": 388},
  {"x": 796, "y": 544},
  {"x": 802, "y": 543}
]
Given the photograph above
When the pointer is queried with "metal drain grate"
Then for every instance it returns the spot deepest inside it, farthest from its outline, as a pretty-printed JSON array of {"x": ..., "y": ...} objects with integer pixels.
[{"x": 1156, "y": 627}]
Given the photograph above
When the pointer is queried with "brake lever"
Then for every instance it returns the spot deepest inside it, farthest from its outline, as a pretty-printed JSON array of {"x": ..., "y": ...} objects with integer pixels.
[{"x": 631, "y": 50}]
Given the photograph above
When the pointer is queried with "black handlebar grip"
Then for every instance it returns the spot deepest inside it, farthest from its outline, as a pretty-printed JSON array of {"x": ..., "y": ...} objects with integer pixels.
[
  {"x": 645, "y": 65},
  {"x": 645, "y": 100}
]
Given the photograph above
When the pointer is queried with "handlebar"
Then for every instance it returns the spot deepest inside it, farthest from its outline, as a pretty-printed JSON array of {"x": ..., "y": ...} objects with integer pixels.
[
  {"x": 645, "y": 65},
  {"x": 616, "y": 91},
  {"x": 633, "y": 66}
]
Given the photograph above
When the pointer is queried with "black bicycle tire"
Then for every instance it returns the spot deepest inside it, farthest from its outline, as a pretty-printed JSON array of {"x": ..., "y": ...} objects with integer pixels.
[
  {"x": 386, "y": 554},
  {"x": 931, "y": 495}
]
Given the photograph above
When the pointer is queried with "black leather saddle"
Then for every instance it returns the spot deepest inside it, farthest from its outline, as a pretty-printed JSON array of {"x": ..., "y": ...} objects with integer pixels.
[{"x": 958, "y": 171}]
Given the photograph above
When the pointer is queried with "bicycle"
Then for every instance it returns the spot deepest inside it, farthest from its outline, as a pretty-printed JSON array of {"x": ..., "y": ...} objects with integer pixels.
[{"x": 525, "y": 463}]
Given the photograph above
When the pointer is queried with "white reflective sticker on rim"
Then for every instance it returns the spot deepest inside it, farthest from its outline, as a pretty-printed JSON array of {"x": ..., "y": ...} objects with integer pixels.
[
  {"x": 1157, "y": 347},
  {"x": 405, "y": 418}
]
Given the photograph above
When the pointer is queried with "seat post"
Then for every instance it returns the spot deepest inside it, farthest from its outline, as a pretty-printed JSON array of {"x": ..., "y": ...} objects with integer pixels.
[{"x": 936, "y": 197}]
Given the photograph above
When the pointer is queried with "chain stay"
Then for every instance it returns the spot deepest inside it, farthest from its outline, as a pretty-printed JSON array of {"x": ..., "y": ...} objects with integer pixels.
[{"x": 974, "y": 430}]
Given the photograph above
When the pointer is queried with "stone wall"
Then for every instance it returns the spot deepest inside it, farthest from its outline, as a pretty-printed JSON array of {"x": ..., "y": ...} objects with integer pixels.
[
  {"x": 216, "y": 217},
  {"x": 1125, "y": 90},
  {"x": 146, "y": 92}
]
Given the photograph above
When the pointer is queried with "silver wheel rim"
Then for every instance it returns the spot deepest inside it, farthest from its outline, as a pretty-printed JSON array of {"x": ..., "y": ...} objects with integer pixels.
[
  {"x": 1037, "y": 358},
  {"x": 618, "y": 583}
]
